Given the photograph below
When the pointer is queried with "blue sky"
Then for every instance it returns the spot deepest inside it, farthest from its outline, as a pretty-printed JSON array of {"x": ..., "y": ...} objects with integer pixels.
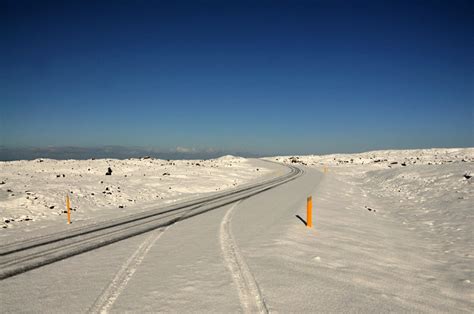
[{"x": 263, "y": 77}]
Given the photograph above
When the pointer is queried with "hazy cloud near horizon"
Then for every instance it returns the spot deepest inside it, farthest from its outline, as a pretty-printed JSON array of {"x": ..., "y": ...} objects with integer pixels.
[
  {"x": 119, "y": 152},
  {"x": 123, "y": 152}
]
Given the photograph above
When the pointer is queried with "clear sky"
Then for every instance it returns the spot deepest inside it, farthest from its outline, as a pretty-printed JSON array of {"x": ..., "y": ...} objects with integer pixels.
[{"x": 263, "y": 77}]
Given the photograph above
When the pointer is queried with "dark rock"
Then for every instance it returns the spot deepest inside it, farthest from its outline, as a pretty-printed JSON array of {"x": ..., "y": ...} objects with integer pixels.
[
  {"x": 51, "y": 207},
  {"x": 120, "y": 206},
  {"x": 467, "y": 176},
  {"x": 6, "y": 221},
  {"x": 403, "y": 164},
  {"x": 64, "y": 175},
  {"x": 9, "y": 191},
  {"x": 92, "y": 194},
  {"x": 58, "y": 176},
  {"x": 3, "y": 182},
  {"x": 394, "y": 163},
  {"x": 370, "y": 209},
  {"x": 166, "y": 174},
  {"x": 109, "y": 172}
]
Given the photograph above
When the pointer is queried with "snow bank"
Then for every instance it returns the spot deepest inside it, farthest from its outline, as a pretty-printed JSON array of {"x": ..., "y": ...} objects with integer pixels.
[{"x": 407, "y": 216}]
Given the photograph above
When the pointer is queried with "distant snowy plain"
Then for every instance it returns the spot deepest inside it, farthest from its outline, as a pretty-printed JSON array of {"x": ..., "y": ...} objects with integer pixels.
[{"x": 36, "y": 190}]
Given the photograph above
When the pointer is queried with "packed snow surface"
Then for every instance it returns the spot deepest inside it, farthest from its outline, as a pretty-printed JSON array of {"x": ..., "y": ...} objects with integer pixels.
[{"x": 36, "y": 190}]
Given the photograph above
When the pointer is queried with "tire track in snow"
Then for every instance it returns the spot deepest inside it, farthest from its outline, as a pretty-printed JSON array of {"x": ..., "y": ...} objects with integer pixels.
[
  {"x": 250, "y": 296},
  {"x": 123, "y": 276}
]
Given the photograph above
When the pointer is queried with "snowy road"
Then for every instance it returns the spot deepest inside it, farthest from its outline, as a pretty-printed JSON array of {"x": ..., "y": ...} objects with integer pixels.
[
  {"x": 138, "y": 234},
  {"x": 22, "y": 256},
  {"x": 253, "y": 255}
]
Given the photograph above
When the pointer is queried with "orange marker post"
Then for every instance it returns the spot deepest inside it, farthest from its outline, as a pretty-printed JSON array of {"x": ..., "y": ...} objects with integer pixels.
[
  {"x": 68, "y": 210},
  {"x": 309, "y": 212}
]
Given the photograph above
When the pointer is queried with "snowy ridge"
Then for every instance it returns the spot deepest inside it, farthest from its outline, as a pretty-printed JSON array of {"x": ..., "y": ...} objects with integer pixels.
[{"x": 384, "y": 158}]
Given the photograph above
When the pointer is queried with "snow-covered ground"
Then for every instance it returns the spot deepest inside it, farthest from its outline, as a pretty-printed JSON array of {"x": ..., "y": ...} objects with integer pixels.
[
  {"x": 392, "y": 233},
  {"x": 36, "y": 190},
  {"x": 402, "y": 217}
]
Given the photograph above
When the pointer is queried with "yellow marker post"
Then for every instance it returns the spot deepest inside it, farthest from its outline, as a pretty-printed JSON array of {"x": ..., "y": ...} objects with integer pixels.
[
  {"x": 309, "y": 212},
  {"x": 68, "y": 206}
]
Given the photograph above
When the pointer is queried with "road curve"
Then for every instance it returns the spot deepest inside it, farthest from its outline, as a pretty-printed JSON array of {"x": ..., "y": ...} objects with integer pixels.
[{"x": 19, "y": 257}]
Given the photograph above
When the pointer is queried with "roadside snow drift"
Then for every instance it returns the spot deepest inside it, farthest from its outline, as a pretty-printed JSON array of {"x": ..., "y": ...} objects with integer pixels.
[{"x": 391, "y": 223}]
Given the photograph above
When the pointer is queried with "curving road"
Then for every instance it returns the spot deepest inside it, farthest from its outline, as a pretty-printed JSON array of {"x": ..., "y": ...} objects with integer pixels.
[
  {"x": 184, "y": 257},
  {"x": 238, "y": 251},
  {"x": 19, "y": 257}
]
